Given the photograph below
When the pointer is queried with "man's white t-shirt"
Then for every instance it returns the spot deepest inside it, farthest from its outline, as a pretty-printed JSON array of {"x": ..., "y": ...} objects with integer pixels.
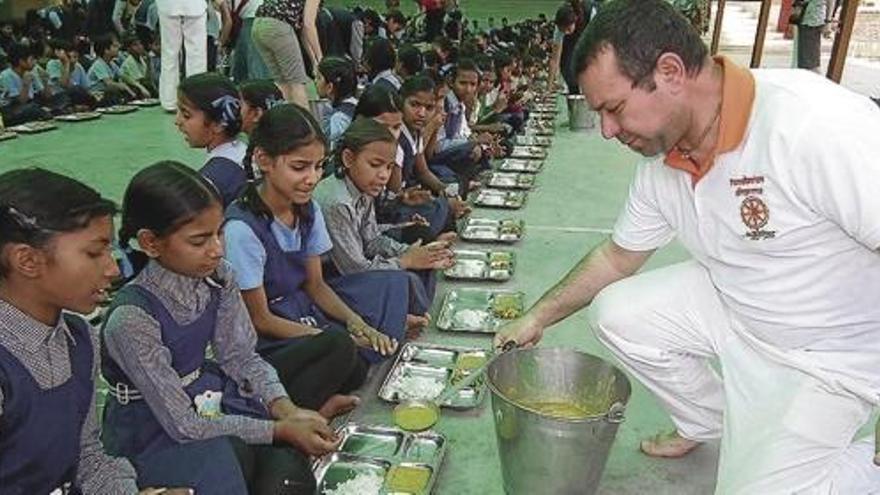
[{"x": 787, "y": 224}]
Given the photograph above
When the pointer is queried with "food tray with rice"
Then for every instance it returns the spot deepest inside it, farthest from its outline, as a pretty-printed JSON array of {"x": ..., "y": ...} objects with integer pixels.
[
  {"x": 423, "y": 371},
  {"x": 500, "y": 198},
  {"x": 544, "y": 107},
  {"x": 542, "y": 141},
  {"x": 33, "y": 127},
  {"x": 7, "y": 135},
  {"x": 509, "y": 180},
  {"x": 521, "y": 165},
  {"x": 529, "y": 152},
  {"x": 118, "y": 109},
  {"x": 380, "y": 460},
  {"x": 78, "y": 117},
  {"x": 488, "y": 230},
  {"x": 536, "y": 127},
  {"x": 146, "y": 102},
  {"x": 479, "y": 310},
  {"x": 492, "y": 266}
]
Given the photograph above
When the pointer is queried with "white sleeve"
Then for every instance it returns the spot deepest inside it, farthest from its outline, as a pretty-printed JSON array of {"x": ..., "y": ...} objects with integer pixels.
[
  {"x": 641, "y": 225},
  {"x": 836, "y": 171}
]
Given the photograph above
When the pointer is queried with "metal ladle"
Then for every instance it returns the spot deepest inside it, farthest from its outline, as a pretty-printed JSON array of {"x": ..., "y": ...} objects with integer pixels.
[{"x": 431, "y": 408}]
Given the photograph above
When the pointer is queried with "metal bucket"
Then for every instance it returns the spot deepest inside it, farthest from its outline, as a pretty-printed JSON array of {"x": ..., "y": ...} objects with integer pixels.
[
  {"x": 580, "y": 116},
  {"x": 320, "y": 108},
  {"x": 544, "y": 454}
]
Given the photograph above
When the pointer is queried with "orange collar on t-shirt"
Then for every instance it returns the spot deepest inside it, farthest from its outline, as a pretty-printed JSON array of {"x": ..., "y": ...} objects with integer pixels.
[{"x": 738, "y": 94}]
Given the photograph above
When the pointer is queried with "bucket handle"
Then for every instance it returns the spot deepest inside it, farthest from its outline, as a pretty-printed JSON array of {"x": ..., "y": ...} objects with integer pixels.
[{"x": 615, "y": 413}]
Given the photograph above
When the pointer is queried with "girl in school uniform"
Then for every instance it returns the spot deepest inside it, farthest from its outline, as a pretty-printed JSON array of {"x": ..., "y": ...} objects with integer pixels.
[
  {"x": 275, "y": 237},
  {"x": 404, "y": 201},
  {"x": 55, "y": 261},
  {"x": 209, "y": 116},
  {"x": 337, "y": 82},
  {"x": 257, "y": 97},
  {"x": 367, "y": 157},
  {"x": 183, "y": 302}
]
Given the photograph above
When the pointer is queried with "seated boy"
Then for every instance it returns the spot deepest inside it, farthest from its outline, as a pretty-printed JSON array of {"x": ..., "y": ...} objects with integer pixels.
[
  {"x": 135, "y": 69},
  {"x": 104, "y": 73},
  {"x": 19, "y": 88},
  {"x": 67, "y": 77}
]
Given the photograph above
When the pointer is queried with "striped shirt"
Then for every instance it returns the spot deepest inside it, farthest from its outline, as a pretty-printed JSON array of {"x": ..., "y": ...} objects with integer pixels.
[
  {"x": 358, "y": 242},
  {"x": 43, "y": 351},
  {"x": 134, "y": 341}
]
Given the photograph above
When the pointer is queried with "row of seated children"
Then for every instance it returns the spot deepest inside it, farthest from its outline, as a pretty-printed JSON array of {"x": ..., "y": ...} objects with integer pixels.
[
  {"x": 30, "y": 91},
  {"x": 287, "y": 346}
]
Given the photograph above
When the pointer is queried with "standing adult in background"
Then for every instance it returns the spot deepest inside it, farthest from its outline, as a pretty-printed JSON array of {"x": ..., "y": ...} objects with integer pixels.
[
  {"x": 247, "y": 63},
  {"x": 816, "y": 20},
  {"x": 435, "y": 11},
  {"x": 582, "y": 10},
  {"x": 341, "y": 33},
  {"x": 565, "y": 22},
  {"x": 183, "y": 24},
  {"x": 276, "y": 34}
]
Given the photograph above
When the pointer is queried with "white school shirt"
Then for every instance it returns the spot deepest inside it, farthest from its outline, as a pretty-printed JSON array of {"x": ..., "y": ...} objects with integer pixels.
[{"x": 787, "y": 224}]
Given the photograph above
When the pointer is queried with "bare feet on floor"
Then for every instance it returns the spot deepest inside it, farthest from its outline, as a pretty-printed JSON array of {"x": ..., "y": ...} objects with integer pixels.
[
  {"x": 339, "y": 404},
  {"x": 669, "y": 445}
]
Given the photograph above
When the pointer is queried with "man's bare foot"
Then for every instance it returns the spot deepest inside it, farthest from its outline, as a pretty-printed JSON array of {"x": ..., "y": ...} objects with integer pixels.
[
  {"x": 415, "y": 324},
  {"x": 669, "y": 445},
  {"x": 338, "y": 404}
]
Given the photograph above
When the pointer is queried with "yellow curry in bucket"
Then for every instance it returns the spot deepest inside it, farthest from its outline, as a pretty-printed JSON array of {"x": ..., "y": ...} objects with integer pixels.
[
  {"x": 565, "y": 408},
  {"x": 415, "y": 416}
]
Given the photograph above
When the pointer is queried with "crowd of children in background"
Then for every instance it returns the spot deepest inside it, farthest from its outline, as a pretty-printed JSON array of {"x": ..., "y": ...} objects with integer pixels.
[{"x": 304, "y": 250}]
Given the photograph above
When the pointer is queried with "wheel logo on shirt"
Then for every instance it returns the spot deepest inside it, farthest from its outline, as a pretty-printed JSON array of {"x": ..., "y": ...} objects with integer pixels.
[{"x": 754, "y": 213}]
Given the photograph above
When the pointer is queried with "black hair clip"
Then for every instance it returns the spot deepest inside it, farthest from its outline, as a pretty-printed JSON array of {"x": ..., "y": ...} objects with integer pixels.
[{"x": 22, "y": 221}]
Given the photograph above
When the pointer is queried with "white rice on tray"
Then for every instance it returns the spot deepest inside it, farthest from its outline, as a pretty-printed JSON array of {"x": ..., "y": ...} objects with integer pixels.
[
  {"x": 470, "y": 318},
  {"x": 411, "y": 387},
  {"x": 362, "y": 484}
]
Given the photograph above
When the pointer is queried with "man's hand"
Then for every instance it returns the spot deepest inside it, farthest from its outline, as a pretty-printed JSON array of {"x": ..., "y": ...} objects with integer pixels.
[{"x": 525, "y": 331}]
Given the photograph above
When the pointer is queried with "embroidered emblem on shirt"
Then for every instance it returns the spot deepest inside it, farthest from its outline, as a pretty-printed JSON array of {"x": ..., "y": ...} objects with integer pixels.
[{"x": 753, "y": 210}]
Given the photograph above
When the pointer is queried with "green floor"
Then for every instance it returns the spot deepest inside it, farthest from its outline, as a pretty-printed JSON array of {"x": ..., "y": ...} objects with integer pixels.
[{"x": 574, "y": 204}]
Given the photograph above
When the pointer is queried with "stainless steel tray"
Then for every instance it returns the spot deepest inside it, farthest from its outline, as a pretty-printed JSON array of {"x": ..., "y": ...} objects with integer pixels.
[
  {"x": 420, "y": 363},
  {"x": 479, "y": 310},
  {"x": 542, "y": 141},
  {"x": 146, "y": 102},
  {"x": 531, "y": 152},
  {"x": 488, "y": 230},
  {"x": 521, "y": 165},
  {"x": 499, "y": 198},
  {"x": 493, "y": 266},
  {"x": 118, "y": 109},
  {"x": 78, "y": 117},
  {"x": 376, "y": 450},
  {"x": 510, "y": 180},
  {"x": 32, "y": 127}
]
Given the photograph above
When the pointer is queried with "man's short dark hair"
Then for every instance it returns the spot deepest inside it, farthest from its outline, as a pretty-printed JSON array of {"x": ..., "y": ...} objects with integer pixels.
[
  {"x": 565, "y": 16},
  {"x": 640, "y": 31},
  {"x": 396, "y": 16}
]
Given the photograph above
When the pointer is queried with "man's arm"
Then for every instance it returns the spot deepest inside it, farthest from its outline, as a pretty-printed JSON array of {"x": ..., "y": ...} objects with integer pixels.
[{"x": 604, "y": 265}]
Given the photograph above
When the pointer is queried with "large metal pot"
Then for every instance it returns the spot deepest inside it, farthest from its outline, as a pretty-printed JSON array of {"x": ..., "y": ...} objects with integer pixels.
[
  {"x": 550, "y": 454},
  {"x": 580, "y": 116}
]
